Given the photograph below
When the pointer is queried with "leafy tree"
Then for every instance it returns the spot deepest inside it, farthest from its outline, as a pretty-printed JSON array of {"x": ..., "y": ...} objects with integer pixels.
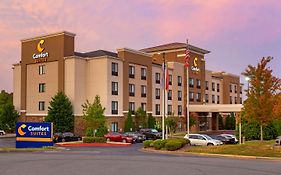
[
  {"x": 8, "y": 114},
  {"x": 140, "y": 118},
  {"x": 230, "y": 122},
  {"x": 151, "y": 122},
  {"x": 93, "y": 113},
  {"x": 171, "y": 122},
  {"x": 60, "y": 112},
  {"x": 261, "y": 95},
  {"x": 129, "y": 123},
  {"x": 221, "y": 126}
]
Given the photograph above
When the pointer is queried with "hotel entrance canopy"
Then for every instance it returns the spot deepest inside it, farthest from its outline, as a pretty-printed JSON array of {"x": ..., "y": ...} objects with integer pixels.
[{"x": 216, "y": 108}]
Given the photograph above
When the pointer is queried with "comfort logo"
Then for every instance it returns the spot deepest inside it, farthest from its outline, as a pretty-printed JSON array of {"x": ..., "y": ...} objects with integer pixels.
[
  {"x": 20, "y": 131},
  {"x": 195, "y": 61},
  {"x": 39, "y": 46}
]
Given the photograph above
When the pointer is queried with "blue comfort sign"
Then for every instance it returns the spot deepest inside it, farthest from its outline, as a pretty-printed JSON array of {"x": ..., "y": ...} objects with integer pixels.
[{"x": 34, "y": 135}]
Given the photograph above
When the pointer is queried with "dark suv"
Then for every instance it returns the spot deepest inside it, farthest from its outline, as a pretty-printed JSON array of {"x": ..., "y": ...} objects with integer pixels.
[{"x": 151, "y": 134}]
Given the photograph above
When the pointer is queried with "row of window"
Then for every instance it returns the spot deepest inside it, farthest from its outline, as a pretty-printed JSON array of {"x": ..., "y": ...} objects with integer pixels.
[
  {"x": 235, "y": 100},
  {"x": 213, "y": 99},
  {"x": 169, "y": 110},
  {"x": 191, "y": 83},
  {"x": 114, "y": 71},
  {"x": 158, "y": 77},
  {"x": 191, "y": 96}
]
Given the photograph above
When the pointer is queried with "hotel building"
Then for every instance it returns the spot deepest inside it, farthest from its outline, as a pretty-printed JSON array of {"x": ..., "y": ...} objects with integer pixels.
[{"x": 125, "y": 80}]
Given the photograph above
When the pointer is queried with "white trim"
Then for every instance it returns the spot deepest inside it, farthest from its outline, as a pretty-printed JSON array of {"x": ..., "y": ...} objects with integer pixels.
[
  {"x": 43, "y": 115},
  {"x": 22, "y": 110},
  {"x": 134, "y": 51},
  {"x": 149, "y": 112}
]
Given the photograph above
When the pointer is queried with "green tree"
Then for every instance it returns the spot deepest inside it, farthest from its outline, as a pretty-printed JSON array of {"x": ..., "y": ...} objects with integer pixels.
[
  {"x": 171, "y": 122},
  {"x": 93, "y": 113},
  {"x": 151, "y": 122},
  {"x": 129, "y": 123},
  {"x": 140, "y": 119},
  {"x": 230, "y": 122},
  {"x": 261, "y": 94},
  {"x": 60, "y": 112},
  {"x": 8, "y": 114},
  {"x": 221, "y": 125}
]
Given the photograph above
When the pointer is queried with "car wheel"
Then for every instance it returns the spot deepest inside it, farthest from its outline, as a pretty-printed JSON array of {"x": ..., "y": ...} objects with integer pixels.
[
  {"x": 210, "y": 144},
  {"x": 108, "y": 140},
  {"x": 124, "y": 140},
  {"x": 63, "y": 140}
]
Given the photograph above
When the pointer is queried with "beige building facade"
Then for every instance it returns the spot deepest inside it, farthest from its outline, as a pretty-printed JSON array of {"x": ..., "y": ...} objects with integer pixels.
[{"x": 125, "y": 80}]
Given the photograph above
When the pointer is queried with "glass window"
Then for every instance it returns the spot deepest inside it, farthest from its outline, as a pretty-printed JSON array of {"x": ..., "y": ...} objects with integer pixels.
[
  {"x": 207, "y": 85},
  {"x": 218, "y": 87},
  {"x": 114, "y": 126},
  {"x": 41, "y": 87},
  {"x": 157, "y": 109},
  {"x": 114, "y": 69},
  {"x": 131, "y": 71},
  {"x": 179, "y": 81},
  {"x": 218, "y": 99},
  {"x": 131, "y": 90},
  {"x": 42, "y": 69},
  {"x": 213, "y": 86},
  {"x": 198, "y": 97},
  {"x": 179, "y": 109},
  {"x": 157, "y": 93},
  {"x": 132, "y": 107},
  {"x": 41, "y": 106},
  {"x": 191, "y": 82},
  {"x": 230, "y": 99},
  {"x": 191, "y": 96},
  {"x": 230, "y": 88},
  {"x": 143, "y": 73},
  {"x": 170, "y": 95},
  {"x": 114, "y": 107},
  {"x": 213, "y": 98},
  {"x": 170, "y": 79},
  {"x": 179, "y": 95},
  {"x": 143, "y": 91},
  {"x": 114, "y": 87},
  {"x": 169, "y": 109},
  {"x": 157, "y": 78},
  {"x": 206, "y": 98},
  {"x": 198, "y": 83},
  {"x": 143, "y": 106}
]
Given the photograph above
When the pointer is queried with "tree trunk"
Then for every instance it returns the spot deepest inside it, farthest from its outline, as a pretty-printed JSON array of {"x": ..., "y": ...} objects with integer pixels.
[{"x": 261, "y": 133}]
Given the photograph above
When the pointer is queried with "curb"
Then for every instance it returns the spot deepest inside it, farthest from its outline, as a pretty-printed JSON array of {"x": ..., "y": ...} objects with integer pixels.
[
  {"x": 110, "y": 144},
  {"x": 180, "y": 153},
  {"x": 19, "y": 150}
]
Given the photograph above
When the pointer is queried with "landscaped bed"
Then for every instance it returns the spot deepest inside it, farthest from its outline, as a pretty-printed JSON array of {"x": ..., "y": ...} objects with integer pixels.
[{"x": 250, "y": 148}]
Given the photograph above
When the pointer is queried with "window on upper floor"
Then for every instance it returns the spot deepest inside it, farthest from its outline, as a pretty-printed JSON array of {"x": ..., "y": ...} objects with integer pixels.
[
  {"x": 131, "y": 72},
  {"x": 143, "y": 73},
  {"x": 179, "y": 81},
  {"x": 114, "y": 69}
]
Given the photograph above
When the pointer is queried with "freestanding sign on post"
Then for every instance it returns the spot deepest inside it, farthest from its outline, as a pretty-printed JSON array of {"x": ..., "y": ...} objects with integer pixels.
[{"x": 34, "y": 134}]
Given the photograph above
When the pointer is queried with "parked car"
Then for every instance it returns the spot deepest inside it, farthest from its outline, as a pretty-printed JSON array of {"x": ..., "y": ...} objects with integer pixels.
[
  {"x": 66, "y": 137},
  {"x": 230, "y": 136},
  {"x": 118, "y": 137},
  {"x": 151, "y": 134},
  {"x": 278, "y": 140},
  {"x": 224, "y": 139},
  {"x": 2, "y": 132},
  {"x": 202, "y": 140},
  {"x": 139, "y": 137}
]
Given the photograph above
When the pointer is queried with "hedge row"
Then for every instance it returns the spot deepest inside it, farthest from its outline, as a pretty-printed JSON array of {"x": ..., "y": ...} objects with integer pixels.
[
  {"x": 168, "y": 144},
  {"x": 94, "y": 140}
]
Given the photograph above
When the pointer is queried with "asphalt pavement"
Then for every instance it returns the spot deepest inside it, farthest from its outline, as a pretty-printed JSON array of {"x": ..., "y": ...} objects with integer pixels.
[{"x": 127, "y": 161}]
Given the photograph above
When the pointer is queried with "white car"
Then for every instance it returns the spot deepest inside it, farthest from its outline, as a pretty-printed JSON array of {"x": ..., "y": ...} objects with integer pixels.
[
  {"x": 202, "y": 140},
  {"x": 2, "y": 132},
  {"x": 230, "y": 136}
]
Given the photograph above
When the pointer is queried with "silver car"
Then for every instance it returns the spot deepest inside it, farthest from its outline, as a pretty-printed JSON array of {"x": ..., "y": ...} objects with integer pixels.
[
  {"x": 2, "y": 132},
  {"x": 202, "y": 140}
]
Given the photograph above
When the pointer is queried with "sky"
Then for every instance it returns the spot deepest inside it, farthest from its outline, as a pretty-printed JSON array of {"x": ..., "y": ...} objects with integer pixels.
[{"x": 237, "y": 32}]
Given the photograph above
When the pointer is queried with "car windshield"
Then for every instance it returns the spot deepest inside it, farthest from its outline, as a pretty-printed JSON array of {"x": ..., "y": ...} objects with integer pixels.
[
  {"x": 154, "y": 130},
  {"x": 208, "y": 137}
]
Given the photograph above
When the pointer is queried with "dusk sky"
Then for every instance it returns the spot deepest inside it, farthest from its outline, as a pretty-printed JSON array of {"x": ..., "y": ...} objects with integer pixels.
[{"x": 237, "y": 32}]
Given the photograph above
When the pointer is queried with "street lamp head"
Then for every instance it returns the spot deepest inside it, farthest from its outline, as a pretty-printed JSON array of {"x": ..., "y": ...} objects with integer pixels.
[{"x": 247, "y": 78}]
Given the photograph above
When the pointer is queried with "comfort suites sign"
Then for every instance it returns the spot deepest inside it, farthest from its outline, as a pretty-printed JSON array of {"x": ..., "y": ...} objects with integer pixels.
[{"x": 40, "y": 56}]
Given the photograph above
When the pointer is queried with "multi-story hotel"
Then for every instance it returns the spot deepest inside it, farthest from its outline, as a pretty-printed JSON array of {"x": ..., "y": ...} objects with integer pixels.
[{"x": 125, "y": 80}]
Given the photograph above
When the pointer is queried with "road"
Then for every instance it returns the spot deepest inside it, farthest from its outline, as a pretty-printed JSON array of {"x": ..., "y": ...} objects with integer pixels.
[{"x": 128, "y": 161}]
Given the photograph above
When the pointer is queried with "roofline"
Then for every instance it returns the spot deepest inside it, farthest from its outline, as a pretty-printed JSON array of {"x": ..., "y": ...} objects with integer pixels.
[
  {"x": 134, "y": 51},
  {"x": 49, "y": 35}
]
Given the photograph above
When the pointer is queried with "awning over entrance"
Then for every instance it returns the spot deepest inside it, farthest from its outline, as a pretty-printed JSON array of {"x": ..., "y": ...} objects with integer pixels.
[{"x": 216, "y": 108}]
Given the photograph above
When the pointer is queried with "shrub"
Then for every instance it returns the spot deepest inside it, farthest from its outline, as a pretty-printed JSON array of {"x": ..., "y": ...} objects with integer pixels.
[
  {"x": 147, "y": 143},
  {"x": 173, "y": 144},
  {"x": 159, "y": 144},
  {"x": 94, "y": 140},
  {"x": 183, "y": 141}
]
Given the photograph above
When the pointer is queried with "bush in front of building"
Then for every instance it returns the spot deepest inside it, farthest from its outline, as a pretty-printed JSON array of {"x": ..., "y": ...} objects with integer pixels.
[
  {"x": 147, "y": 143},
  {"x": 170, "y": 144},
  {"x": 173, "y": 144},
  {"x": 60, "y": 112},
  {"x": 94, "y": 140},
  {"x": 129, "y": 123}
]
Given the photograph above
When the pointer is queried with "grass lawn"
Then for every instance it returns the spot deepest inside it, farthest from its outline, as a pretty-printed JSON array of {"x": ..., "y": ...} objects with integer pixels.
[{"x": 250, "y": 148}]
